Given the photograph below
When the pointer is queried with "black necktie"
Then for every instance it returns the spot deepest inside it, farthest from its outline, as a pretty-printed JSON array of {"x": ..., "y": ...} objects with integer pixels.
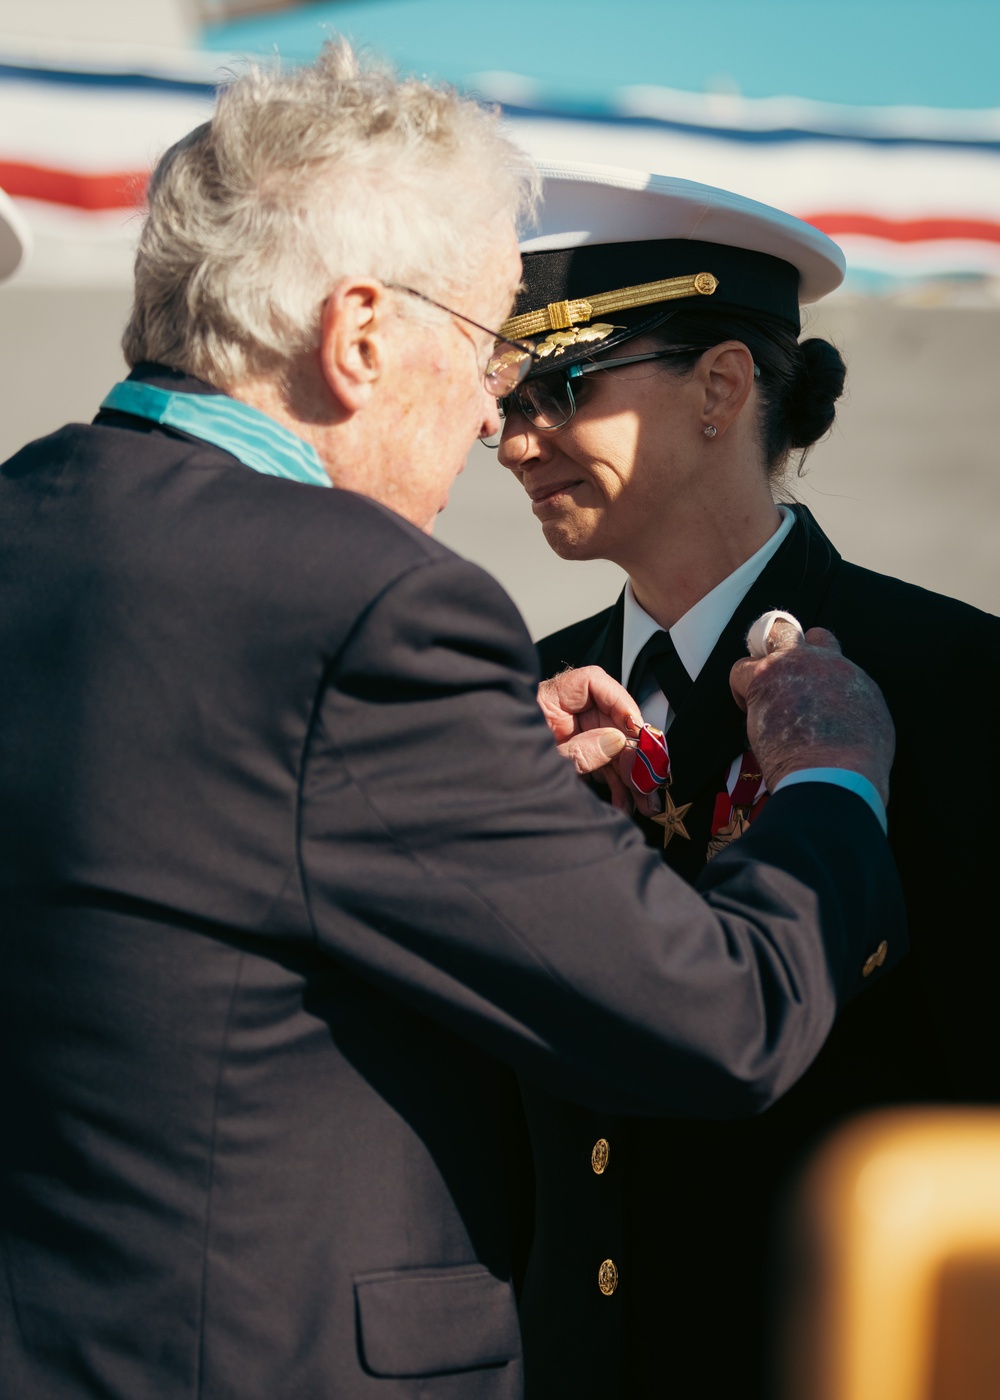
[{"x": 658, "y": 661}]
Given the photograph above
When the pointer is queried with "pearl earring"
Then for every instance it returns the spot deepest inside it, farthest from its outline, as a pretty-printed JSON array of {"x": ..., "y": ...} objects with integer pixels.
[{"x": 710, "y": 431}]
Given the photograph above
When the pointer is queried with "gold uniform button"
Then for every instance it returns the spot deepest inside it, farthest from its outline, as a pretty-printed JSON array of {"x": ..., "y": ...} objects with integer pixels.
[
  {"x": 599, "y": 1156},
  {"x": 876, "y": 960},
  {"x": 607, "y": 1277}
]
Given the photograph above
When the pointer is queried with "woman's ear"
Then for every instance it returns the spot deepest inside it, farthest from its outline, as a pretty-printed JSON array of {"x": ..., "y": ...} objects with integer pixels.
[
  {"x": 726, "y": 375},
  {"x": 352, "y": 340}
]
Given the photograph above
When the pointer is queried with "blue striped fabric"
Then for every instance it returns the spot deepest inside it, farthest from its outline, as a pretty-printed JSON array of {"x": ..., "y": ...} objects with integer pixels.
[
  {"x": 257, "y": 440},
  {"x": 865, "y": 135},
  {"x": 101, "y": 78}
]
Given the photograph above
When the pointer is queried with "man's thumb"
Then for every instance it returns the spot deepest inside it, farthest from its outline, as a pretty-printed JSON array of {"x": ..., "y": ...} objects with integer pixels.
[
  {"x": 611, "y": 742},
  {"x": 593, "y": 750}
]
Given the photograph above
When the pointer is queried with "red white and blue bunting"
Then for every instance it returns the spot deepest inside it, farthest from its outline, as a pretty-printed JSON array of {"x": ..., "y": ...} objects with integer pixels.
[{"x": 912, "y": 195}]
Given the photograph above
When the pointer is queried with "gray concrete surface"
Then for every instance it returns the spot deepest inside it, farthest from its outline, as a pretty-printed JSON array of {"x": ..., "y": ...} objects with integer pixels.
[{"x": 908, "y": 481}]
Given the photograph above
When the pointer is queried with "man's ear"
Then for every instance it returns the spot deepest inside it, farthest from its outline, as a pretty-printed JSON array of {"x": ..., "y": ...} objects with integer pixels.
[
  {"x": 725, "y": 374},
  {"x": 352, "y": 339}
]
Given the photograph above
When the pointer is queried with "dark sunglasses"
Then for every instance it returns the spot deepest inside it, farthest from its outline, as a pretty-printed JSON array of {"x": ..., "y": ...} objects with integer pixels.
[{"x": 548, "y": 402}]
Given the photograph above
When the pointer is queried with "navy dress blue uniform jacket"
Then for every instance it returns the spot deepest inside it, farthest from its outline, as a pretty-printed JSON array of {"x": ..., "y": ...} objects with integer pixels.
[
  {"x": 692, "y": 1206},
  {"x": 289, "y": 872}
]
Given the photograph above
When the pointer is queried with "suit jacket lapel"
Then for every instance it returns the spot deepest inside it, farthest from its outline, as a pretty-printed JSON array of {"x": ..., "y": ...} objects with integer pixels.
[
  {"x": 710, "y": 728},
  {"x": 605, "y": 647}
]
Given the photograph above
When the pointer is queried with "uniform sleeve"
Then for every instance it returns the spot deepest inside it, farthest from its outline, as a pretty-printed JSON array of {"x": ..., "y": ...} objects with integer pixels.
[{"x": 450, "y": 856}]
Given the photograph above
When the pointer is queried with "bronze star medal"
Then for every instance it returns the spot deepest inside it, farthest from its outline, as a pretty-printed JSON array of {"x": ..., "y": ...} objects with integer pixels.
[{"x": 672, "y": 819}]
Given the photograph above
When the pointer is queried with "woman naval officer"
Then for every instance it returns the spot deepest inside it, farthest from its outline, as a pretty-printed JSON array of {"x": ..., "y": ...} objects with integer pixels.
[{"x": 669, "y": 396}]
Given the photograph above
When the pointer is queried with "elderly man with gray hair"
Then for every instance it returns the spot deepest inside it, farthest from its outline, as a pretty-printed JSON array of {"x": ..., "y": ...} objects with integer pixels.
[{"x": 291, "y": 871}]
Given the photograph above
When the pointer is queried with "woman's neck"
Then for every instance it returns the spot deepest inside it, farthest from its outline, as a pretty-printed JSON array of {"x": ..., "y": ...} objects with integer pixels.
[{"x": 675, "y": 567}]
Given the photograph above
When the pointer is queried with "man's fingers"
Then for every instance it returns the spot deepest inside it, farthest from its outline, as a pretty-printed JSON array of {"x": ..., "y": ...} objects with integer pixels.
[
  {"x": 782, "y": 636},
  {"x": 775, "y": 634},
  {"x": 741, "y": 677},
  {"x": 593, "y": 750},
  {"x": 820, "y": 637},
  {"x": 773, "y": 631},
  {"x": 609, "y": 696},
  {"x": 780, "y": 631},
  {"x": 809, "y": 707},
  {"x": 587, "y": 688}
]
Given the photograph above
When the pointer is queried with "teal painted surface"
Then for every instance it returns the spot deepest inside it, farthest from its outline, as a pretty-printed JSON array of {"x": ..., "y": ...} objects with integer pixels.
[{"x": 938, "y": 53}]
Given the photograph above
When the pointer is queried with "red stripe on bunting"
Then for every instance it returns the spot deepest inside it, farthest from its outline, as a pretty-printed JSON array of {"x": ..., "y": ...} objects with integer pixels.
[
  {"x": 905, "y": 230},
  {"x": 115, "y": 191},
  {"x": 126, "y": 190}
]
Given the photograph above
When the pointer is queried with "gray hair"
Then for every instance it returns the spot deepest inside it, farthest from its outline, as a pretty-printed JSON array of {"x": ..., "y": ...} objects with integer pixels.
[{"x": 301, "y": 178}]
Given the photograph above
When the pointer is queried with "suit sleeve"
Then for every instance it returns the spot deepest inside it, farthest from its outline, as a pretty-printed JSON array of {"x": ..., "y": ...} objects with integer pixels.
[{"x": 450, "y": 856}]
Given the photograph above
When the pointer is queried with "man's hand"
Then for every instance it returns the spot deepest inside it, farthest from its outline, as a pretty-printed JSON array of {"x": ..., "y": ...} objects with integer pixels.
[
  {"x": 592, "y": 719},
  {"x": 809, "y": 707}
]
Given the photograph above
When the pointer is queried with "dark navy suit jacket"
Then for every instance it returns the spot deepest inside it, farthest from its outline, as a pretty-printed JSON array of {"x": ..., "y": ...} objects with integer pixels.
[
  {"x": 290, "y": 871},
  {"x": 691, "y": 1207}
]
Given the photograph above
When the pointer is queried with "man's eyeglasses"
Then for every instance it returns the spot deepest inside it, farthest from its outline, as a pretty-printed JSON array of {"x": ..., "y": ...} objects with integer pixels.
[
  {"x": 510, "y": 360},
  {"x": 548, "y": 402}
]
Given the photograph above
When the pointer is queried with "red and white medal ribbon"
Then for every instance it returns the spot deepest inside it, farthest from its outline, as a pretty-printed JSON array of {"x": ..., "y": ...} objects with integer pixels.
[
  {"x": 745, "y": 795},
  {"x": 651, "y": 765}
]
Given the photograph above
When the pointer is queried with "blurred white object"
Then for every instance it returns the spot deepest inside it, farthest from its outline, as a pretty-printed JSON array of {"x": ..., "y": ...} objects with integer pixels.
[{"x": 15, "y": 237}]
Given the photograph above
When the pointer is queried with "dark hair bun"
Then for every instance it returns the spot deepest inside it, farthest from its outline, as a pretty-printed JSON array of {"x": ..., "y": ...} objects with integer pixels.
[{"x": 819, "y": 384}]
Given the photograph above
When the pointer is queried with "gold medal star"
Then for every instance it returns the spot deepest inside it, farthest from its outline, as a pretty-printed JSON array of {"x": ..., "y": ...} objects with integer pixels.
[{"x": 672, "y": 819}]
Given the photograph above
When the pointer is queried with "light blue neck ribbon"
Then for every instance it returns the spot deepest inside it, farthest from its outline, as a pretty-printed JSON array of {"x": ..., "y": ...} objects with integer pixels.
[{"x": 257, "y": 440}]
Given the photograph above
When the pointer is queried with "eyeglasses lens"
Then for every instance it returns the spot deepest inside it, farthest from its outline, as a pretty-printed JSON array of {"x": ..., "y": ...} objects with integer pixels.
[
  {"x": 547, "y": 402},
  {"x": 506, "y": 369}
]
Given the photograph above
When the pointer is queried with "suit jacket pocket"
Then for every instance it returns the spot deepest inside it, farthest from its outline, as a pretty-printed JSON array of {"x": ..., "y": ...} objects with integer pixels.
[{"x": 427, "y": 1322}]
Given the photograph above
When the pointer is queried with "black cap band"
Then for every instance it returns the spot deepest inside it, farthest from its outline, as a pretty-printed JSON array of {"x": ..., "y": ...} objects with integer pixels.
[{"x": 750, "y": 280}]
